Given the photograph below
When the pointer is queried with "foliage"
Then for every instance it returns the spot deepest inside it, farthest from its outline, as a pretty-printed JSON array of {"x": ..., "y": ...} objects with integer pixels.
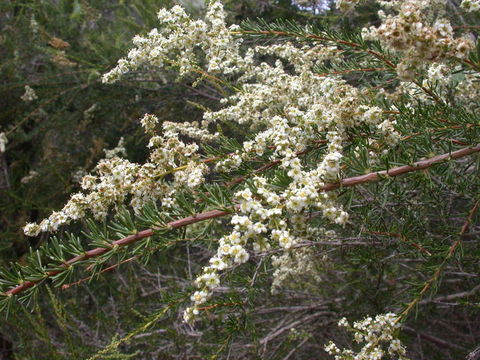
[{"x": 339, "y": 177}]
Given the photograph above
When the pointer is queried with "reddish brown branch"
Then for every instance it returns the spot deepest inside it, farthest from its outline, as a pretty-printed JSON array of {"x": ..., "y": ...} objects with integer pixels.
[
  {"x": 464, "y": 229},
  {"x": 419, "y": 165},
  {"x": 423, "y": 164},
  {"x": 121, "y": 242},
  {"x": 114, "y": 266}
]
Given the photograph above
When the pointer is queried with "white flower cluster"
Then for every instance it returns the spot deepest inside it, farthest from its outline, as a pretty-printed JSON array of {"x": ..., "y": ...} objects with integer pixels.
[
  {"x": 464, "y": 89},
  {"x": 109, "y": 187},
  {"x": 291, "y": 265},
  {"x": 377, "y": 336},
  {"x": 192, "y": 130},
  {"x": 29, "y": 94},
  {"x": 417, "y": 30},
  {"x": 346, "y": 5},
  {"x": 34, "y": 26},
  {"x": 78, "y": 175},
  {"x": 149, "y": 123},
  {"x": 32, "y": 174},
  {"x": 301, "y": 58},
  {"x": 3, "y": 142},
  {"x": 118, "y": 150},
  {"x": 467, "y": 92},
  {"x": 471, "y": 5},
  {"x": 89, "y": 114},
  {"x": 286, "y": 110},
  {"x": 230, "y": 163},
  {"x": 420, "y": 42},
  {"x": 438, "y": 74},
  {"x": 270, "y": 219},
  {"x": 118, "y": 180},
  {"x": 175, "y": 41}
]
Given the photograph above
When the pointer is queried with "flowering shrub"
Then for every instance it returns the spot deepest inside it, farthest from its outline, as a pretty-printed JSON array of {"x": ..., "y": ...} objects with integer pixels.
[{"x": 310, "y": 132}]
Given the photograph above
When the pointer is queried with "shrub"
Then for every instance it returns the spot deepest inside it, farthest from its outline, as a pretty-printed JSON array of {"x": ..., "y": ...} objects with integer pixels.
[{"x": 334, "y": 173}]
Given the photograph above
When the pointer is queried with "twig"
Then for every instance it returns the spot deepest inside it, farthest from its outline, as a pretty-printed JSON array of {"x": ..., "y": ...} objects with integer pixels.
[
  {"x": 115, "y": 244},
  {"x": 419, "y": 165},
  {"x": 439, "y": 270},
  {"x": 450, "y": 297},
  {"x": 139, "y": 330},
  {"x": 474, "y": 355},
  {"x": 401, "y": 237},
  {"x": 296, "y": 348},
  {"x": 66, "y": 286},
  {"x": 212, "y": 214},
  {"x": 294, "y": 324},
  {"x": 433, "y": 339}
]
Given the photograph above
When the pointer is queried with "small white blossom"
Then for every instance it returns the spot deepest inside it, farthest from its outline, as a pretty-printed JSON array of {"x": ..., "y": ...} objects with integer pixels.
[
  {"x": 3, "y": 142},
  {"x": 149, "y": 123},
  {"x": 199, "y": 297},
  {"x": 118, "y": 150},
  {"x": 471, "y": 5},
  {"x": 29, "y": 94},
  {"x": 346, "y": 5},
  {"x": 374, "y": 335}
]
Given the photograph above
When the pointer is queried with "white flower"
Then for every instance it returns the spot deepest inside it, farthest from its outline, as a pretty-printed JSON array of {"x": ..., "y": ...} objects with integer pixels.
[
  {"x": 471, "y": 5},
  {"x": 29, "y": 94},
  {"x": 346, "y": 5},
  {"x": 235, "y": 250},
  {"x": 259, "y": 228},
  {"x": 31, "y": 229},
  {"x": 376, "y": 354},
  {"x": 374, "y": 335},
  {"x": 211, "y": 280},
  {"x": 331, "y": 348},
  {"x": 342, "y": 218},
  {"x": 149, "y": 122},
  {"x": 199, "y": 297},
  {"x": 217, "y": 263},
  {"x": 224, "y": 249},
  {"x": 343, "y": 322},
  {"x": 3, "y": 142},
  {"x": 242, "y": 256},
  {"x": 118, "y": 150}
]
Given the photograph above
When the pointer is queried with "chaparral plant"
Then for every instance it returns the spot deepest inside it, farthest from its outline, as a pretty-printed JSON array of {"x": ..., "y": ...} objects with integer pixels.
[{"x": 318, "y": 200}]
